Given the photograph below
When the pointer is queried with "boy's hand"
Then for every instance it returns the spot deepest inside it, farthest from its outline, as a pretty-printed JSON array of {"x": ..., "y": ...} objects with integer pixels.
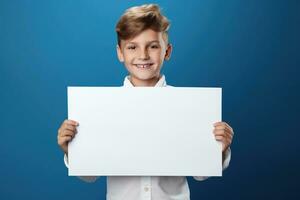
[
  {"x": 66, "y": 133},
  {"x": 223, "y": 133}
]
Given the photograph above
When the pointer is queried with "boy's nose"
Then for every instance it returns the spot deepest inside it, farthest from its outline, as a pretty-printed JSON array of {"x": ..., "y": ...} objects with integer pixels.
[{"x": 144, "y": 55}]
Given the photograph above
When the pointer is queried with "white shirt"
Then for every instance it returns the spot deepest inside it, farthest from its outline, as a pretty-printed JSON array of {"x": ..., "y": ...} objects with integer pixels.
[{"x": 149, "y": 187}]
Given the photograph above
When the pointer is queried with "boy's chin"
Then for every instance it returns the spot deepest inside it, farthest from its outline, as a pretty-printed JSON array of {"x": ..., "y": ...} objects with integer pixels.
[{"x": 143, "y": 76}]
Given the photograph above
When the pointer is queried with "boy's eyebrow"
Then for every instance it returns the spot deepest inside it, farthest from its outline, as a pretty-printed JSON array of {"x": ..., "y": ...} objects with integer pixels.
[{"x": 153, "y": 41}]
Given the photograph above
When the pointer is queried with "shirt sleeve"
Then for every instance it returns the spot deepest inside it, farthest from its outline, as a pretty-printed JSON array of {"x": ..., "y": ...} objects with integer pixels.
[
  {"x": 88, "y": 179},
  {"x": 224, "y": 165}
]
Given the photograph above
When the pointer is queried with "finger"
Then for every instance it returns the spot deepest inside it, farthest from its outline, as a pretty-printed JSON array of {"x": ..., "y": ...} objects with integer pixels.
[
  {"x": 219, "y": 137},
  {"x": 217, "y": 123},
  {"x": 226, "y": 128},
  {"x": 223, "y": 135},
  {"x": 67, "y": 133},
  {"x": 220, "y": 123},
  {"x": 223, "y": 123},
  {"x": 222, "y": 132},
  {"x": 70, "y": 127},
  {"x": 61, "y": 131},
  {"x": 219, "y": 131},
  {"x": 71, "y": 122},
  {"x": 222, "y": 127},
  {"x": 64, "y": 140},
  {"x": 223, "y": 139},
  {"x": 228, "y": 136},
  {"x": 229, "y": 127},
  {"x": 65, "y": 124}
]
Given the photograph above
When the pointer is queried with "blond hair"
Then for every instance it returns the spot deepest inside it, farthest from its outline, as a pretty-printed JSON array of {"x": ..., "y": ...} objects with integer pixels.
[{"x": 139, "y": 18}]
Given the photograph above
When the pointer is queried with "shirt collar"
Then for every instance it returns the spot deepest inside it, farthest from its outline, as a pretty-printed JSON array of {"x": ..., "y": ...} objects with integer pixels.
[{"x": 160, "y": 83}]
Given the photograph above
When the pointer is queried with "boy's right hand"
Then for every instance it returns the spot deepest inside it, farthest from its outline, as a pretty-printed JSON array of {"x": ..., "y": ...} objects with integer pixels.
[{"x": 66, "y": 133}]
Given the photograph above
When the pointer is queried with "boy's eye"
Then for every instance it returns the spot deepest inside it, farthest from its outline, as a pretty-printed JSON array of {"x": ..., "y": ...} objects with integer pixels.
[
  {"x": 154, "y": 46},
  {"x": 131, "y": 47}
]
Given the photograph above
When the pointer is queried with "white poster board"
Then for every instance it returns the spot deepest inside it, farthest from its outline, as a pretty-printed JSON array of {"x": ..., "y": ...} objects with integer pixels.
[{"x": 145, "y": 131}]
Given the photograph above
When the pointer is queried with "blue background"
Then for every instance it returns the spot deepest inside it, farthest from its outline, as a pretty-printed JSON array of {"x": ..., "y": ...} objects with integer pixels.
[{"x": 249, "y": 48}]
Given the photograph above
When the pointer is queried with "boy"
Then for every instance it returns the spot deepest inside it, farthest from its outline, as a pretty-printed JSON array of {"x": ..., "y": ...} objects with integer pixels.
[{"x": 143, "y": 46}]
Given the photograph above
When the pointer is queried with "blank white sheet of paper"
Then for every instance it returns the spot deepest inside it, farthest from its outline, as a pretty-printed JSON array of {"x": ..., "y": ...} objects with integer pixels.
[{"x": 145, "y": 131}]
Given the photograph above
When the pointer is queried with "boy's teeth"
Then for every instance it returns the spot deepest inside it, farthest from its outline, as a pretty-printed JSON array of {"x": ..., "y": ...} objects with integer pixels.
[{"x": 143, "y": 66}]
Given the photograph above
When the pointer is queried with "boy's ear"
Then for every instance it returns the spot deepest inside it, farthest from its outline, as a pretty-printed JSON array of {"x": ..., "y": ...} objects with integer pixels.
[
  {"x": 120, "y": 54},
  {"x": 168, "y": 52}
]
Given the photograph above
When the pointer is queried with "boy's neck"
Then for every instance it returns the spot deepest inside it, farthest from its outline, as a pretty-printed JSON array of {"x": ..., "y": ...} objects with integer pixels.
[{"x": 144, "y": 83}]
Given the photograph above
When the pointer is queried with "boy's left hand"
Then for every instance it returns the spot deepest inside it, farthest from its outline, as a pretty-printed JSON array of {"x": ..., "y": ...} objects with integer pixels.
[{"x": 223, "y": 133}]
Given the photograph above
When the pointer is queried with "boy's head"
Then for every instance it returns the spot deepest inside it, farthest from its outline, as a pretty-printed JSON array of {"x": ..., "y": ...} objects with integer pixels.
[{"x": 143, "y": 45}]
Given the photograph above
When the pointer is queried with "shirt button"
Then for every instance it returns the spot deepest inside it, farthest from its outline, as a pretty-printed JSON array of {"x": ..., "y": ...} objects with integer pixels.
[{"x": 146, "y": 189}]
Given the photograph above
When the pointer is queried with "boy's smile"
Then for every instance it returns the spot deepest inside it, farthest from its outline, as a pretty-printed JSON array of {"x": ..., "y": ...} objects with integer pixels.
[
  {"x": 144, "y": 65},
  {"x": 143, "y": 56}
]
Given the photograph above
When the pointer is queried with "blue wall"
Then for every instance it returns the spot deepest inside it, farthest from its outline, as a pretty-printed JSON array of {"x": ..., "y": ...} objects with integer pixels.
[{"x": 249, "y": 48}]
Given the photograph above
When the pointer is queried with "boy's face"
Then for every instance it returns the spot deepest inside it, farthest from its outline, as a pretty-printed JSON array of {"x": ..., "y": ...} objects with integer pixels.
[{"x": 144, "y": 55}]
